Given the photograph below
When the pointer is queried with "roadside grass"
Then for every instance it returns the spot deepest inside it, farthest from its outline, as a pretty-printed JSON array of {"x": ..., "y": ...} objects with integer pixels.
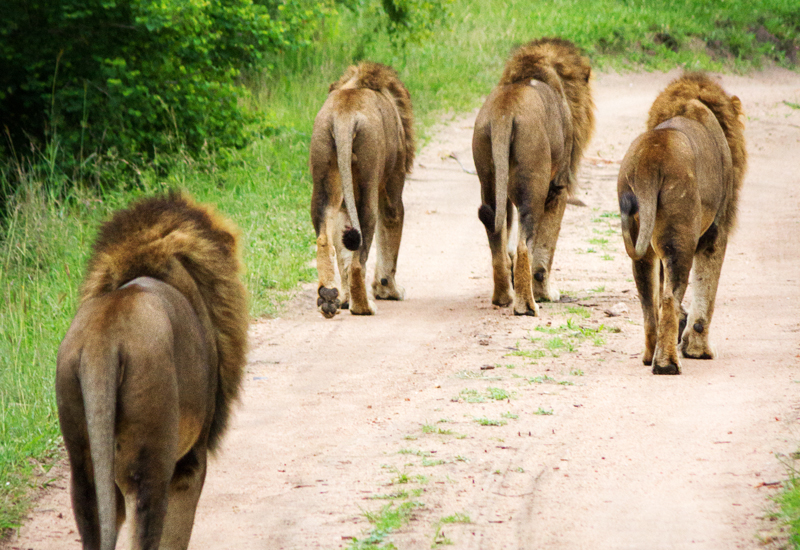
[
  {"x": 265, "y": 188},
  {"x": 389, "y": 518},
  {"x": 788, "y": 502},
  {"x": 439, "y": 538}
]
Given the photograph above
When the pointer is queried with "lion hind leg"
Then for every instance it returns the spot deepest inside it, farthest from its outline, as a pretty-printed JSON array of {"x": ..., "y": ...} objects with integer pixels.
[
  {"x": 360, "y": 303},
  {"x": 676, "y": 267},
  {"x": 705, "y": 280},
  {"x": 184, "y": 493},
  {"x": 524, "y": 304},
  {"x": 648, "y": 284},
  {"x": 544, "y": 249},
  {"x": 82, "y": 486},
  {"x": 502, "y": 263},
  {"x": 388, "y": 236},
  {"x": 328, "y": 300}
]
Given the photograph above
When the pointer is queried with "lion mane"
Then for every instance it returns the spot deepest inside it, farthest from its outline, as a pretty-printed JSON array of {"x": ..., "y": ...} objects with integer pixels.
[
  {"x": 383, "y": 79},
  {"x": 561, "y": 65},
  {"x": 147, "y": 239},
  {"x": 675, "y": 101}
]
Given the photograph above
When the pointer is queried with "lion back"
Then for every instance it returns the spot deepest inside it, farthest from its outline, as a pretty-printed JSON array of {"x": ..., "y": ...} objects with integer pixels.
[
  {"x": 727, "y": 109},
  {"x": 561, "y": 65},
  {"x": 146, "y": 239},
  {"x": 380, "y": 78}
]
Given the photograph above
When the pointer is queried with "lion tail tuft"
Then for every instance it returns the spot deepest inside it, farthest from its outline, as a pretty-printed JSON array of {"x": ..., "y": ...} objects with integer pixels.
[
  {"x": 486, "y": 215},
  {"x": 351, "y": 239}
]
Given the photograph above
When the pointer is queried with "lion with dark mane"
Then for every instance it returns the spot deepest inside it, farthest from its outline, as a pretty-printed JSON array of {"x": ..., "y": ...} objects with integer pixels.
[
  {"x": 528, "y": 141},
  {"x": 361, "y": 149},
  {"x": 149, "y": 369},
  {"x": 678, "y": 191}
]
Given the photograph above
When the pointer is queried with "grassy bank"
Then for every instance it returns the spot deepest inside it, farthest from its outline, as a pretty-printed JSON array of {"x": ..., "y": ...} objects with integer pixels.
[{"x": 265, "y": 188}]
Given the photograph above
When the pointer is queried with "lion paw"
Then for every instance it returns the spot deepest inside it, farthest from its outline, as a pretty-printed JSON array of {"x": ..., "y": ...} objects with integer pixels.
[
  {"x": 666, "y": 363},
  {"x": 502, "y": 299},
  {"x": 523, "y": 307},
  {"x": 667, "y": 369},
  {"x": 388, "y": 289},
  {"x": 695, "y": 346},
  {"x": 328, "y": 301},
  {"x": 370, "y": 308}
]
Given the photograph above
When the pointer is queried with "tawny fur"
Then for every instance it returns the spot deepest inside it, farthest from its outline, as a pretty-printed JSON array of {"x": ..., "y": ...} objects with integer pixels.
[
  {"x": 527, "y": 144},
  {"x": 145, "y": 238},
  {"x": 378, "y": 77},
  {"x": 561, "y": 65},
  {"x": 361, "y": 149},
  {"x": 678, "y": 190},
  {"x": 673, "y": 102}
]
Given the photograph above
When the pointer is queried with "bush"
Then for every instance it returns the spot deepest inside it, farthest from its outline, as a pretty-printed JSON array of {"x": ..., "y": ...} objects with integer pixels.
[{"x": 135, "y": 77}]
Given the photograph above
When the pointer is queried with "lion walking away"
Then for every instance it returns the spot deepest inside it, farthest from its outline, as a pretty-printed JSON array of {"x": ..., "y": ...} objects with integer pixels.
[
  {"x": 678, "y": 190},
  {"x": 149, "y": 369},
  {"x": 361, "y": 149},
  {"x": 528, "y": 141}
]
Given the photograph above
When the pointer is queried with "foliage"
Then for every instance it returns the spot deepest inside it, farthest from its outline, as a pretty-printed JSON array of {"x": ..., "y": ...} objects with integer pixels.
[{"x": 135, "y": 77}]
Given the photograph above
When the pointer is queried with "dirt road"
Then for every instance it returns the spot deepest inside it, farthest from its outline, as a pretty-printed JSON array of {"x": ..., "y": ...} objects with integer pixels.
[{"x": 548, "y": 432}]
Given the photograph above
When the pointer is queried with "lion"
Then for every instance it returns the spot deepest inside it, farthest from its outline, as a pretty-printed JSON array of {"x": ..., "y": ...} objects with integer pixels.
[
  {"x": 362, "y": 147},
  {"x": 678, "y": 191},
  {"x": 528, "y": 140},
  {"x": 149, "y": 370}
]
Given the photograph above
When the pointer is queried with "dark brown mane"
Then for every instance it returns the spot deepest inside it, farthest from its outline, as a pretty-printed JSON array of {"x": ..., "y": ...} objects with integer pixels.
[
  {"x": 727, "y": 109},
  {"x": 561, "y": 65},
  {"x": 151, "y": 238}
]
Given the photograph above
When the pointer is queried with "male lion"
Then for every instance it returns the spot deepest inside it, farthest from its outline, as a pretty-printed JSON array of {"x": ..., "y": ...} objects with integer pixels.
[
  {"x": 149, "y": 369},
  {"x": 528, "y": 140},
  {"x": 678, "y": 188},
  {"x": 361, "y": 149}
]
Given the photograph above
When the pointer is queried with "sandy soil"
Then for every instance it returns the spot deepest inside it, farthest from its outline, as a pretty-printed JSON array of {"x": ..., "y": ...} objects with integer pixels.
[{"x": 338, "y": 412}]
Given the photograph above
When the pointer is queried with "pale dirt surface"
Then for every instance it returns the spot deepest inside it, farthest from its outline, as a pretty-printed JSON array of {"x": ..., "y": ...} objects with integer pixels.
[{"x": 627, "y": 460}]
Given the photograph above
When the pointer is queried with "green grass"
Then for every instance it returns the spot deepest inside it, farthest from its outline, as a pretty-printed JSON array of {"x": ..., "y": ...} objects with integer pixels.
[
  {"x": 265, "y": 188},
  {"x": 388, "y": 519},
  {"x": 483, "y": 421},
  {"x": 439, "y": 538}
]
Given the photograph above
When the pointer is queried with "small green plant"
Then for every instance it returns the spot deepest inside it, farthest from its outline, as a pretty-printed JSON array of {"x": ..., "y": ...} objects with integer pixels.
[
  {"x": 608, "y": 257},
  {"x": 541, "y": 379},
  {"x": 397, "y": 495},
  {"x": 576, "y": 372},
  {"x": 580, "y": 311},
  {"x": 510, "y": 415},
  {"x": 598, "y": 241},
  {"x": 388, "y": 519},
  {"x": 528, "y": 353},
  {"x": 439, "y": 539},
  {"x": 543, "y": 412},
  {"x": 460, "y": 458},
  {"x": 469, "y": 396},
  {"x": 483, "y": 421},
  {"x": 426, "y": 462},
  {"x": 598, "y": 289},
  {"x": 418, "y": 452},
  {"x": 498, "y": 394}
]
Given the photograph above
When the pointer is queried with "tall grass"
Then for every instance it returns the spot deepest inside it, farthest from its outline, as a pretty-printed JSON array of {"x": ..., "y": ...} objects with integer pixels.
[{"x": 265, "y": 188}]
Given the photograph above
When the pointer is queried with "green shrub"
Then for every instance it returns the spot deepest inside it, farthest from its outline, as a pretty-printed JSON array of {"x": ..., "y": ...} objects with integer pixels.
[{"x": 135, "y": 77}]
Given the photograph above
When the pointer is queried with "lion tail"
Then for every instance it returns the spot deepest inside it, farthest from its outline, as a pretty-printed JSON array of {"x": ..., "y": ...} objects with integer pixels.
[
  {"x": 99, "y": 372},
  {"x": 637, "y": 234},
  {"x": 343, "y": 129},
  {"x": 501, "y": 148}
]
